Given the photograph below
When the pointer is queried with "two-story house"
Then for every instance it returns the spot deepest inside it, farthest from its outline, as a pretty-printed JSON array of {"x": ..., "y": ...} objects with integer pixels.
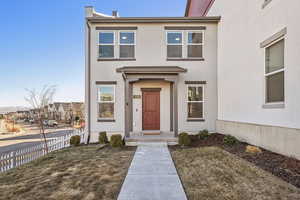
[{"x": 150, "y": 75}]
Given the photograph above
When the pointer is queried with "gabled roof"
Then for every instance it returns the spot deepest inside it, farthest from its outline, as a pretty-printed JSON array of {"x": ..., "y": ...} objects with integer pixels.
[{"x": 198, "y": 8}]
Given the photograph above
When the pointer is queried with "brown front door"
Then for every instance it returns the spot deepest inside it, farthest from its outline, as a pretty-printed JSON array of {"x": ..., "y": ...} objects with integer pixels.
[{"x": 151, "y": 109}]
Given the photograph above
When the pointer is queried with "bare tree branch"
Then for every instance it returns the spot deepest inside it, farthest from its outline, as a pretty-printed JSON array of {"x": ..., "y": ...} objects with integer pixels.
[{"x": 38, "y": 100}]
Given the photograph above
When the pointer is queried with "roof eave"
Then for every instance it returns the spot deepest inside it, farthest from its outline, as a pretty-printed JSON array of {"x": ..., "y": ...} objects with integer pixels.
[{"x": 210, "y": 19}]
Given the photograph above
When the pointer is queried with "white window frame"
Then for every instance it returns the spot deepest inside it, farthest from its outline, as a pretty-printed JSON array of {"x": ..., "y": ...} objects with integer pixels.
[
  {"x": 177, "y": 44},
  {"x": 187, "y": 100},
  {"x": 99, "y": 100},
  {"x": 119, "y": 43},
  {"x": 196, "y": 44},
  {"x": 105, "y": 44},
  {"x": 272, "y": 73}
]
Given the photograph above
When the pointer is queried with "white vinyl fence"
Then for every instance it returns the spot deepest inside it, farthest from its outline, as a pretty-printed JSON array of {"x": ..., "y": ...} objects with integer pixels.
[{"x": 21, "y": 156}]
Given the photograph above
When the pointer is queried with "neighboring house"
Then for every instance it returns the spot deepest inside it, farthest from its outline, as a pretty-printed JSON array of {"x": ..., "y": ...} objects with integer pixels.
[
  {"x": 156, "y": 74},
  {"x": 51, "y": 111},
  {"x": 258, "y": 70},
  {"x": 77, "y": 109},
  {"x": 57, "y": 113},
  {"x": 65, "y": 111}
]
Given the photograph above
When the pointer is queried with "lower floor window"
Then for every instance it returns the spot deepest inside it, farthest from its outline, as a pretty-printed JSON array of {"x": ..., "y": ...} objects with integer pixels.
[
  {"x": 195, "y": 110},
  {"x": 275, "y": 87},
  {"x": 106, "y": 110},
  {"x": 106, "y": 101},
  {"x": 195, "y": 102}
]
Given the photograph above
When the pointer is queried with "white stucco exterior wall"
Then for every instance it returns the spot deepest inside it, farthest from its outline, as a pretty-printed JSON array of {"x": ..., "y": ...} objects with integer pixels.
[
  {"x": 244, "y": 25},
  {"x": 151, "y": 50}
]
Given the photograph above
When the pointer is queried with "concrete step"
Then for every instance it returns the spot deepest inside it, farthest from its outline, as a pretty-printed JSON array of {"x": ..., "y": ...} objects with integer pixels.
[{"x": 151, "y": 141}]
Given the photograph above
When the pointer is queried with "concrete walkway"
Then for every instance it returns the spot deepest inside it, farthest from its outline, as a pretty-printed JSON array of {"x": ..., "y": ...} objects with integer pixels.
[{"x": 152, "y": 175}]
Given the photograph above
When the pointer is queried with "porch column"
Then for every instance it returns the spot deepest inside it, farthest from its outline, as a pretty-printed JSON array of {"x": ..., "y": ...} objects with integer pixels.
[
  {"x": 127, "y": 109},
  {"x": 175, "y": 106},
  {"x": 128, "y": 105}
]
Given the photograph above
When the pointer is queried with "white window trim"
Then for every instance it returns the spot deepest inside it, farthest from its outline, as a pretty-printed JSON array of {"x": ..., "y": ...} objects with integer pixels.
[
  {"x": 99, "y": 100},
  {"x": 177, "y": 44},
  {"x": 106, "y": 44},
  {"x": 187, "y": 101},
  {"x": 116, "y": 43},
  {"x": 120, "y": 44},
  {"x": 272, "y": 73},
  {"x": 196, "y": 44}
]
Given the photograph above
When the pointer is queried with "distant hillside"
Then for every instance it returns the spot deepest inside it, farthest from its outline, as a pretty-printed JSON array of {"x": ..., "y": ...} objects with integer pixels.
[{"x": 4, "y": 110}]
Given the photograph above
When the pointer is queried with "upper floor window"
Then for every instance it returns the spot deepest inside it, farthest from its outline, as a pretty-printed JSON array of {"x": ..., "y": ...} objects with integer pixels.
[
  {"x": 185, "y": 44},
  {"x": 117, "y": 44},
  {"x": 195, "y": 44},
  {"x": 127, "y": 43},
  {"x": 174, "y": 44},
  {"x": 106, "y": 44},
  {"x": 274, "y": 72}
]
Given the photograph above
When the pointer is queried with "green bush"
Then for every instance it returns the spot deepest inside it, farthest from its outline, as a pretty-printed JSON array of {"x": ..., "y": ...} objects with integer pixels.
[
  {"x": 116, "y": 140},
  {"x": 75, "y": 140},
  {"x": 184, "y": 139},
  {"x": 103, "y": 138},
  {"x": 77, "y": 118},
  {"x": 230, "y": 140},
  {"x": 203, "y": 134}
]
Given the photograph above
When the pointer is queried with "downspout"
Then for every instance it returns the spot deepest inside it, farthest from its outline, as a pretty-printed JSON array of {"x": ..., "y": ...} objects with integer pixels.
[{"x": 89, "y": 82}]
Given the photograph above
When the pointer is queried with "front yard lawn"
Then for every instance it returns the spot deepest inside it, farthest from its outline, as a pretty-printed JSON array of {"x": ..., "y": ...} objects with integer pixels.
[
  {"x": 84, "y": 172},
  {"x": 211, "y": 173}
]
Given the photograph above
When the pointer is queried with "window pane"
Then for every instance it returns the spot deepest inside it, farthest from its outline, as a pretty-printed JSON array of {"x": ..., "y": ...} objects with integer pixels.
[
  {"x": 126, "y": 51},
  {"x": 106, "y": 93},
  {"x": 195, "y": 110},
  {"x": 275, "y": 57},
  {"x": 126, "y": 38},
  {"x": 174, "y": 38},
  {"x": 174, "y": 51},
  {"x": 106, "y": 38},
  {"x": 275, "y": 87},
  {"x": 195, "y": 51},
  {"x": 106, "y": 110},
  {"x": 195, "y": 38},
  {"x": 106, "y": 51},
  {"x": 195, "y": 93}
]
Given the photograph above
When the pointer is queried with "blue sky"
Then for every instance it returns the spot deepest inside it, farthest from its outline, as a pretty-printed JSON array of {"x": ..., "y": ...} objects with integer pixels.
[{"x": 42, "y": 42}]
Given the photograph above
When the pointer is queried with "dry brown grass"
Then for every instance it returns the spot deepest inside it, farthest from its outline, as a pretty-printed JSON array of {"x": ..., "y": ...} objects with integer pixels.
[
  {"x": 83, "y": 172},
  {"x": 210, "y": 173}
]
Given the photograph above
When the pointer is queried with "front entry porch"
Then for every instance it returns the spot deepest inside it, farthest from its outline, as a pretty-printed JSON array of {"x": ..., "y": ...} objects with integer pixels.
[{"x": 151, "y": 103}]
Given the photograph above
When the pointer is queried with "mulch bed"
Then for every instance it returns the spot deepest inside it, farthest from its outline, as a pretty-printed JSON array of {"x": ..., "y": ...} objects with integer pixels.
[{"x": 281, "y": 166}]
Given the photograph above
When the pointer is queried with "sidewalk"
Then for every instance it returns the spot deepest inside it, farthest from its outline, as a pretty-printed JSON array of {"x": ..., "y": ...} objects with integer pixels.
[{"x": 152, "y": 175}]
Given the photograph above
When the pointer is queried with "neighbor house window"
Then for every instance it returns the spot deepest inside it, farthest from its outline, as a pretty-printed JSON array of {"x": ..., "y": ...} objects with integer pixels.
[
  {"x": 195, "y": 45},
  {"x": 106, "y": 44},
  {"x": 174, "y": 44},
  {"x": 195, "y": 101},
  {"x": 127, "y": 44},
  {"x": 274, "y": 72},
  {"x": 106, "y": 101}
]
